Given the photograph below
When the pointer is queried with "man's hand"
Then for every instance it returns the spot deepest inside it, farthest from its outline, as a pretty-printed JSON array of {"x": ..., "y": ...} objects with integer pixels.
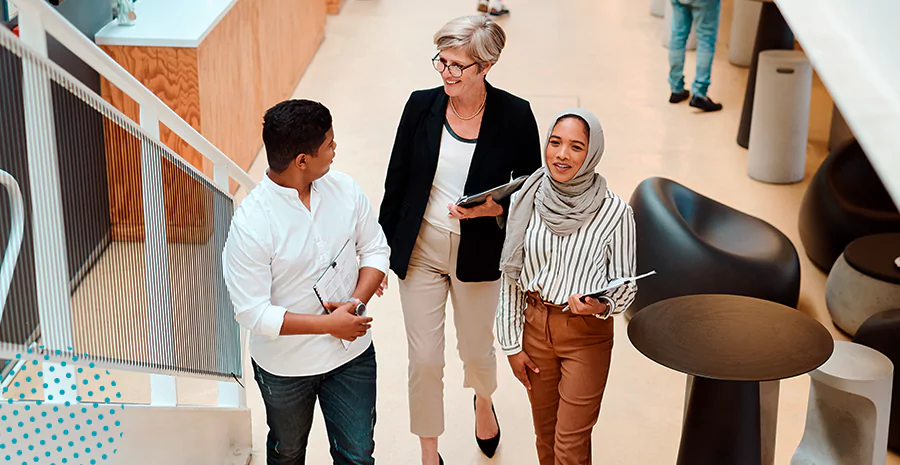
[
  {"x": 488, "y": 208},
  {"x": 343, "y": 322},
  {"x": 520, "y": 364},
  {"x": 590, "y": 306},
  {"x": 383, "y": 287}
]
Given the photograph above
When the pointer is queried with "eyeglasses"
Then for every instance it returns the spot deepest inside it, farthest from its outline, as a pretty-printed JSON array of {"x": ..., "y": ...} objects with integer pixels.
[{"x": 455, "y": 70}]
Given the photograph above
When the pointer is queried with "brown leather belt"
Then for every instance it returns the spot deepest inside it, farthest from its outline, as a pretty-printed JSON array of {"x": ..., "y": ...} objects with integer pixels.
[{"x": 546, "y": 308}]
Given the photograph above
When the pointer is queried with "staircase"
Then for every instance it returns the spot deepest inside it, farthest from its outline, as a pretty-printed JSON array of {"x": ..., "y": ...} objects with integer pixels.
[{"x": 111, "y": 290}]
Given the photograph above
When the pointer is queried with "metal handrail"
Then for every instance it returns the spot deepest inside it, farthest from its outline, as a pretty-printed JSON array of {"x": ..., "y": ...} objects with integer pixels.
[{"x": 17, "y": 231}]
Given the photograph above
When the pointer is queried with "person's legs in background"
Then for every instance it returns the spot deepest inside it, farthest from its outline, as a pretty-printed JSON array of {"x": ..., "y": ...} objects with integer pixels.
[
  {"x": 493, "y": 7},
  {"x": 682, "y": 18},
  {"x": 498, "y": 8},
  {"x": 707, "y": 17}
]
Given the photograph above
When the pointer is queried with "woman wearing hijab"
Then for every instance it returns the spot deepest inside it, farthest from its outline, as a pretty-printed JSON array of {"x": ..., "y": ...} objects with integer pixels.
[{"x": 566, "y": 235}]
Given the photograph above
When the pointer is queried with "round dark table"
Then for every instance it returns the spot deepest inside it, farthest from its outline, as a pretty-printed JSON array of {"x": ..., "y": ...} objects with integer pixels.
[
  {"x": 729, "y": 343},
  {"x": 875, "y": 255}
]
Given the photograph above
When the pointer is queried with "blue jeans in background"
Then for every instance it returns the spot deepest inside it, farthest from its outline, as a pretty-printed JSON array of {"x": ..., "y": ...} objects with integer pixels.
[
  {"x": 705, "y": 14},
  {"x": 347, "y": 398}
]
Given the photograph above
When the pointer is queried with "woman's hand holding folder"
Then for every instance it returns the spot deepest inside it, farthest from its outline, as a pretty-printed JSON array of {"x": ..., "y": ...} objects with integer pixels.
[
  {"x": 382, "y": 287},
  {"x": 489, "y": 208},
  {"x": 590, "y": 305}
]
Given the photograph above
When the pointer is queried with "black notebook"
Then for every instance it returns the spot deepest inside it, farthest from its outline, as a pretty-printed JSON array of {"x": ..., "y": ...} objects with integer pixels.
[{"x": 497, "y": 194}]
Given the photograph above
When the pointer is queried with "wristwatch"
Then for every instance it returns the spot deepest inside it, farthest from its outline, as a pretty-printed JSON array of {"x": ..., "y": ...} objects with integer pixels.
[
  {"x": 606, "y": 313},
  {"x": 360, "y": 309}
]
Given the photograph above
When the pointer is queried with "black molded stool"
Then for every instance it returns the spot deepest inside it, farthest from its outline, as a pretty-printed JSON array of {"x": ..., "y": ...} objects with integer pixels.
[
  {"x": 845, "y": 200},
  {"x": 700, "y": 246}
]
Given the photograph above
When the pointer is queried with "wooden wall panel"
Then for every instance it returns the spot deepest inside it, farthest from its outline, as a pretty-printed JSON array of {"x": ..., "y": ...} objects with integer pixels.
[
  {"x": 171, "y": 74},
  {"x": 175, "y": 82},
  {"x": 229, "y": 82},
  {"x": 294, "y": 30},
  {"x": 188, "y": 204},
  {"x": 334, "y": 6},
  {"x": 123, "y": 173}
]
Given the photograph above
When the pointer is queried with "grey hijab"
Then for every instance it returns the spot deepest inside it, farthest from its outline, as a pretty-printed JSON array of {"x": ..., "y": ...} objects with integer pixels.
[{"x": 564, "y": 207}]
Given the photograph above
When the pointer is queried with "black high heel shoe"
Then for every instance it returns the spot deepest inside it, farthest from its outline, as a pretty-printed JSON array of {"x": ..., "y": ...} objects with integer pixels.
[
  {"x": 441, "y": 459},
  {"x": 487, "y": 446}
]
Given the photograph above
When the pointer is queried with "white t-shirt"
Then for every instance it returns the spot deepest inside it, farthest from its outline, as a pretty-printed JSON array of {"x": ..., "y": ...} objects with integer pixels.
[
  {"x": 275, "y": 252},
  {"x": 454, "y": 159}
]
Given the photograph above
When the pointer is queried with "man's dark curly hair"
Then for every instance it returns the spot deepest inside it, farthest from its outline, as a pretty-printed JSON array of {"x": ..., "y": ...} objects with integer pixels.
[{"x": 294, "y": 127}]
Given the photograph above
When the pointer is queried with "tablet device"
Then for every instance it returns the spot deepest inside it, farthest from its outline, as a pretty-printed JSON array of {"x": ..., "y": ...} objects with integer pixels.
[{"x": 498, "y": 194}]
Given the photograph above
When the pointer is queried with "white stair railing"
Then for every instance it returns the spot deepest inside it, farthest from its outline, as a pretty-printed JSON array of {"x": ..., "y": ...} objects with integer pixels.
[
  {"x": 17, "y": 230},
  {"x": 166, "y": 295}
]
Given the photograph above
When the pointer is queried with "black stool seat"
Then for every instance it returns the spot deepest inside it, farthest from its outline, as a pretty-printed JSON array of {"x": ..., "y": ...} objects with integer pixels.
[
  {"x": 845, "y": 200},
  {"x": 700, "y": 246},
  {"x": 874, "y": 256}
]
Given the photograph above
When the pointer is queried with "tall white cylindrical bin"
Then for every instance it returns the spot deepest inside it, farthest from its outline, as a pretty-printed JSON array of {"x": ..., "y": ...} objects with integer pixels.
[
  {"x": 658, "y": 8},
  {"x": 744, "y": 22},
  {"x": 780, "y": 125}
]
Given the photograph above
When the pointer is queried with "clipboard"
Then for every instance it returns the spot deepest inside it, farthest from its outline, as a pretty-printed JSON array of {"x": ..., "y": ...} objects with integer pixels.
[
  {"x": 339, "y": 280},
  {"x": 497, "y": 194}
]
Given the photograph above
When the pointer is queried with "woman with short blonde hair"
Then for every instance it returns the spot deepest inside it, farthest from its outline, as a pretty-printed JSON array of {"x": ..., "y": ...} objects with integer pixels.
[
  {"x": 462, "y": 138},
  {"x": 476, "y": 36}
]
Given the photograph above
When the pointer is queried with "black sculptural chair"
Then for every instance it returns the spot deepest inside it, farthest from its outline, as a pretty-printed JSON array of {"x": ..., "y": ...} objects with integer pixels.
[
  {"x": 700, "y": 246},
  {"x": 844, "y": 201},
  {"x": 882, "y": 333}
]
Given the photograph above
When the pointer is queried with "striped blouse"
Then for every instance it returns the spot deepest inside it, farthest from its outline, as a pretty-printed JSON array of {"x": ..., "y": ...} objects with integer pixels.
[{"x": 557, "y": 267}]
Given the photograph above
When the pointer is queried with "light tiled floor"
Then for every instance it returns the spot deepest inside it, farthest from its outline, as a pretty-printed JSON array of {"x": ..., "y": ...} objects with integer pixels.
[{"x": 604, "y": 55}]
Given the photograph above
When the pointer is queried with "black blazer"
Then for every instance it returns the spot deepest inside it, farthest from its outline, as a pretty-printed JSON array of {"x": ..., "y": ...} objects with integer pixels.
[{"x": 508, "y": 143}]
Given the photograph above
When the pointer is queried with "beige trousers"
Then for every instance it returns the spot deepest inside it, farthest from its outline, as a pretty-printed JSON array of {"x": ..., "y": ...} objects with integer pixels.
[{"x": 423, "y": 295}]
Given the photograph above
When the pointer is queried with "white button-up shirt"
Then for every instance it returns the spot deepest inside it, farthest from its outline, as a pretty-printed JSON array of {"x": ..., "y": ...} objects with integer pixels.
[{"x": 277, "y": 249}]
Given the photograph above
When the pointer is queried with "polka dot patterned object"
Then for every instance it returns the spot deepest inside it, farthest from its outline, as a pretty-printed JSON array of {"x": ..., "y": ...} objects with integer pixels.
[{"x": 53, "y": 432}]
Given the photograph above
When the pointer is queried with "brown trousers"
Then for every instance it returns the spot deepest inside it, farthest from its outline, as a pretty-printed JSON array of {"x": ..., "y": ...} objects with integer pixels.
[{"x": 573, "y": 353}]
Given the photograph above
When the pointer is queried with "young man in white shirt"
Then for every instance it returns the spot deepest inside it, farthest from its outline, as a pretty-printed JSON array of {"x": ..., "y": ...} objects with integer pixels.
[{"x": 283, "y": 237}]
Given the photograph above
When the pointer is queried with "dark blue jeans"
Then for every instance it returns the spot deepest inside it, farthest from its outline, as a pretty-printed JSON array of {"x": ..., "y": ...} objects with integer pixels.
[{"x": 347, "y": 398}]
